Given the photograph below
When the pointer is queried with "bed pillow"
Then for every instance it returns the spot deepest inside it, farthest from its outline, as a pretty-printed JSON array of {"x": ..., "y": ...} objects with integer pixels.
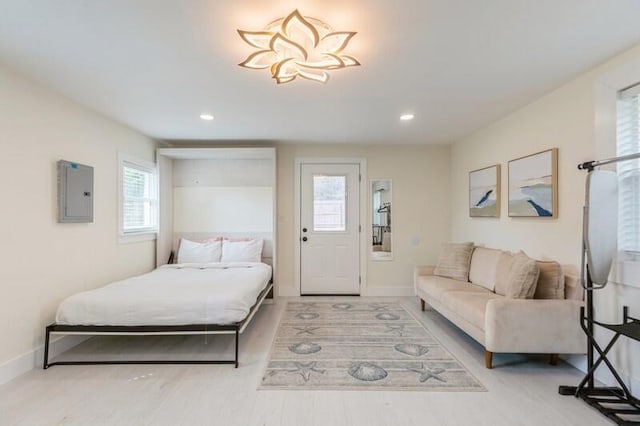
[
  {"x": 242, "y": 251},
  {"x": 199, "y": 252}
]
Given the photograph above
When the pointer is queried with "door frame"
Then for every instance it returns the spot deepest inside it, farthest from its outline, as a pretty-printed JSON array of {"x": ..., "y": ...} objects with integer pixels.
[{"x": 298, "y": 162}]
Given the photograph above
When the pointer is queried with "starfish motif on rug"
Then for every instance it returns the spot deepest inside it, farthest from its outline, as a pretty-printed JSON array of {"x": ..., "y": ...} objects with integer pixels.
[
  {"x": 305, "y": 369},
  {"x": 269, "y": 373},
  {"x": 306, "y": 330},
  {"x": 427, "y": 373},
  {"x": 309, "y": 306},
  {"x": 380, "y": 306},
  {"x": 396, "y": 330}
]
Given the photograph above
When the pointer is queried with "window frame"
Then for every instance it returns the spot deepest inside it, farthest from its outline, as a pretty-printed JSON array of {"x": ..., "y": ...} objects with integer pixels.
[
  {"x": 146, "y": 234},
  {"x": 624, "y": 170},
  {"x": 607, "y": 86}
]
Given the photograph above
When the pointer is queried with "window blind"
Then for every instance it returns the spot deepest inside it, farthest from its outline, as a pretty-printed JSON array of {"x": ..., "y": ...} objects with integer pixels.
[
  {"x": 628, "y": 142},
  {"x": 139, "y": 199}
]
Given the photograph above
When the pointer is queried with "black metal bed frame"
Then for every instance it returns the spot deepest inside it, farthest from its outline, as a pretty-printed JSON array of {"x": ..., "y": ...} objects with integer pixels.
[{"x": 155, "y": 330}]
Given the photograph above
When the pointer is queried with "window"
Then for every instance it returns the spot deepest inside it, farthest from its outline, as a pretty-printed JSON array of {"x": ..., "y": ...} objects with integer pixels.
[
  {"x": 329, "y": 203},
  {"x": 138, "y": 198},
  {"x": 628, "y": 142}
]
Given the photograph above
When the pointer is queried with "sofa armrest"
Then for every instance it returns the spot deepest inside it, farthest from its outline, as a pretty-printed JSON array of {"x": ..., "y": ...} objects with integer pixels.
[
  {"x": 534, "y": 326},
  {"x": 420, "y": 271}
]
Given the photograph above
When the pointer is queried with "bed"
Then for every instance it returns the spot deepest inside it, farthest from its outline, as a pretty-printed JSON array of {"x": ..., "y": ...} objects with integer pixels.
[{"x": 181, "y": 299}]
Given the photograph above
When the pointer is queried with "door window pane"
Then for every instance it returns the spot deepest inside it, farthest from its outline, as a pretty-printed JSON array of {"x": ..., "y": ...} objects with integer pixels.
[{"x": 329, "y": 203}]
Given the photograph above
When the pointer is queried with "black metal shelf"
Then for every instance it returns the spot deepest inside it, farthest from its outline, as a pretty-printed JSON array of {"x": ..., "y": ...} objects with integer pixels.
[
  {"x": 616, "y": 403},
  {"x": 630, "y": 329}
]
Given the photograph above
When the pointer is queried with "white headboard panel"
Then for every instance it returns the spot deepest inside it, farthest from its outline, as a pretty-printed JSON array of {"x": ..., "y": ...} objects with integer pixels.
[{"x": 267, "y": 237}]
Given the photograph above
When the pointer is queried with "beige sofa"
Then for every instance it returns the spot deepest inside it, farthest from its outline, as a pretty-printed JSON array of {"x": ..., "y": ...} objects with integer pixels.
[{"x": 548, "y": 323}]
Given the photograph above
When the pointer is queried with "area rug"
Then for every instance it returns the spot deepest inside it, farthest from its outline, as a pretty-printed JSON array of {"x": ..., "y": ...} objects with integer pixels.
[{"x": 360, "y": 345}]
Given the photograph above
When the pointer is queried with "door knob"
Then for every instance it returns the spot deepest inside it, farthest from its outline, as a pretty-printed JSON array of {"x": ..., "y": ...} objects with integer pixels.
[
  {"x": 304, "y": 229},
  {"x": 304, "y": 238}
]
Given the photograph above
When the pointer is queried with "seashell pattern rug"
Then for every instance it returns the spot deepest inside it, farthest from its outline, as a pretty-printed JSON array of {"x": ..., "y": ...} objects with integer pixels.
[{"x": 360, "y": 345}]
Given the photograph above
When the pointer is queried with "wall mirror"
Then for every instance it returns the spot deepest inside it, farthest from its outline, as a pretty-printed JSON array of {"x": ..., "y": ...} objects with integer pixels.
[{"x": 381, "y": 225}]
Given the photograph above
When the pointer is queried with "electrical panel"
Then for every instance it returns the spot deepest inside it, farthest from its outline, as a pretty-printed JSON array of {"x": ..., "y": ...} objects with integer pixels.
[{"x": 75, "y": 192}]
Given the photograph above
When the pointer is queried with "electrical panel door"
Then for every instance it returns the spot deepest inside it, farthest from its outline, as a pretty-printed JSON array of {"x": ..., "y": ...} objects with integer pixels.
[{"x": 75, "y": 192}]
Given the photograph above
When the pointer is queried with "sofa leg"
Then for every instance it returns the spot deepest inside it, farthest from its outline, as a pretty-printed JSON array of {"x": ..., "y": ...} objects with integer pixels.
[
  {"x": 553, "y": 359},
  {"x": 422, "y": 305},
  {"x": 488, "y": 359}
]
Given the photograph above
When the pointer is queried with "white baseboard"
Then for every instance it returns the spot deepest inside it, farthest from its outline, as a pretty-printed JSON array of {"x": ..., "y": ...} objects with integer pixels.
[{"x": 33, "y": 359}]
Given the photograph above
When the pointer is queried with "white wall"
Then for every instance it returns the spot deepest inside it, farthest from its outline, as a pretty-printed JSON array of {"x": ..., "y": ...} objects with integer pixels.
[
  {"x": 223, "y": 209},
  {"x": 566, "y": 119},
  {"x": 228, "y": 172},
  {"x": 421, "y": 209},
  {"x": 44, "y": 261},
  {"x": 164, "y": 243},
  {"x": 226, "y": 195}
]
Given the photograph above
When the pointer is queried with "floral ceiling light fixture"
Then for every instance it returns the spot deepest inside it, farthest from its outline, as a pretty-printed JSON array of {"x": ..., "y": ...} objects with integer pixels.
[{"x": 298, "y": 46}]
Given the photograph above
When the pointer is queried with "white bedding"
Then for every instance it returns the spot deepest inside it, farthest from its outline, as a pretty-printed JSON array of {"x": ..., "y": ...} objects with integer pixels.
[{"x": 212, "y": 293}]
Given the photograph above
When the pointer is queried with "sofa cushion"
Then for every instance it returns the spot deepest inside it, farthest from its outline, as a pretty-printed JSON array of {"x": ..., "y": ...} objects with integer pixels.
[
  {"x": 454, "y": 261},
  {"x": 434, "y": 286},
  {"x": 484, "y": 263},
  {"x": 523, "y": 277},
  {"x": 550, "y": 282},
  {"x": 469, "y": 305},
  {"x": 502, "y": 273}
]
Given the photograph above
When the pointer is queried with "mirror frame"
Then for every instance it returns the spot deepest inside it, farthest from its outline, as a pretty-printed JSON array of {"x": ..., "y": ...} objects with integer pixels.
[{"x": 377, "y": 255}]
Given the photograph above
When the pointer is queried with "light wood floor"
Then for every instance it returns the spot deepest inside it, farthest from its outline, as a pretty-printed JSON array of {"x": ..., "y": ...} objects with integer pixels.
[{"x": 522, "y": 390}]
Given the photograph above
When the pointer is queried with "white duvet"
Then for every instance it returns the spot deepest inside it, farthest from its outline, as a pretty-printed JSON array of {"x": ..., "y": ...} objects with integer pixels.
[{"x": 212, "y": 293}]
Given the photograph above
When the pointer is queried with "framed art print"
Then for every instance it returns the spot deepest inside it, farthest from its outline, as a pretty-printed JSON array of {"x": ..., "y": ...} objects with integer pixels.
[
  {"x": 533, "y": 185},
  {"x": 484, "y": 192}
]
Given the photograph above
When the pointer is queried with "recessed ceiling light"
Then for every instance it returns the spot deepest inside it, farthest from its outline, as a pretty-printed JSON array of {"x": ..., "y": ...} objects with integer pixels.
[
  {"x": 406, "y": 117},
  {"x": 207, "y": 117}
]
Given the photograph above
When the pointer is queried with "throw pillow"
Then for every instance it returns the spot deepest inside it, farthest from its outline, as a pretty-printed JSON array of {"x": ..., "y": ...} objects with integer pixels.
[
  {"x": 454, "y": 261},
  {"x": 551, "y": 281},
  {"x": 523, "y": 277},
  {"x": 502, "y": 273},
  {"x": 484, "y": 265}
]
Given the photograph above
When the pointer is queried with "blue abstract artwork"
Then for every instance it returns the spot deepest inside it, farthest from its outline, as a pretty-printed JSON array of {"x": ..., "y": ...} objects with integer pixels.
[
  {"x": 484, "y": 192},
  {"x": 532, "y": 185}
]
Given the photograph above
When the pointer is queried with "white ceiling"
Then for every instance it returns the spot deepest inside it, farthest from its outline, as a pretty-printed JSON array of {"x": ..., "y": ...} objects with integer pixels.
[{"x": 156, "y": 65}]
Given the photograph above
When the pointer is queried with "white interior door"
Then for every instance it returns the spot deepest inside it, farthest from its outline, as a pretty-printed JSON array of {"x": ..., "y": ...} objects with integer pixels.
[{"x": 330, "y": 229}]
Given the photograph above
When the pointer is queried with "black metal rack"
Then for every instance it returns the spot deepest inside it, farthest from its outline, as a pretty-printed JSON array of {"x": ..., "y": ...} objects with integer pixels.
[{"x": 616, "y": 403}]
